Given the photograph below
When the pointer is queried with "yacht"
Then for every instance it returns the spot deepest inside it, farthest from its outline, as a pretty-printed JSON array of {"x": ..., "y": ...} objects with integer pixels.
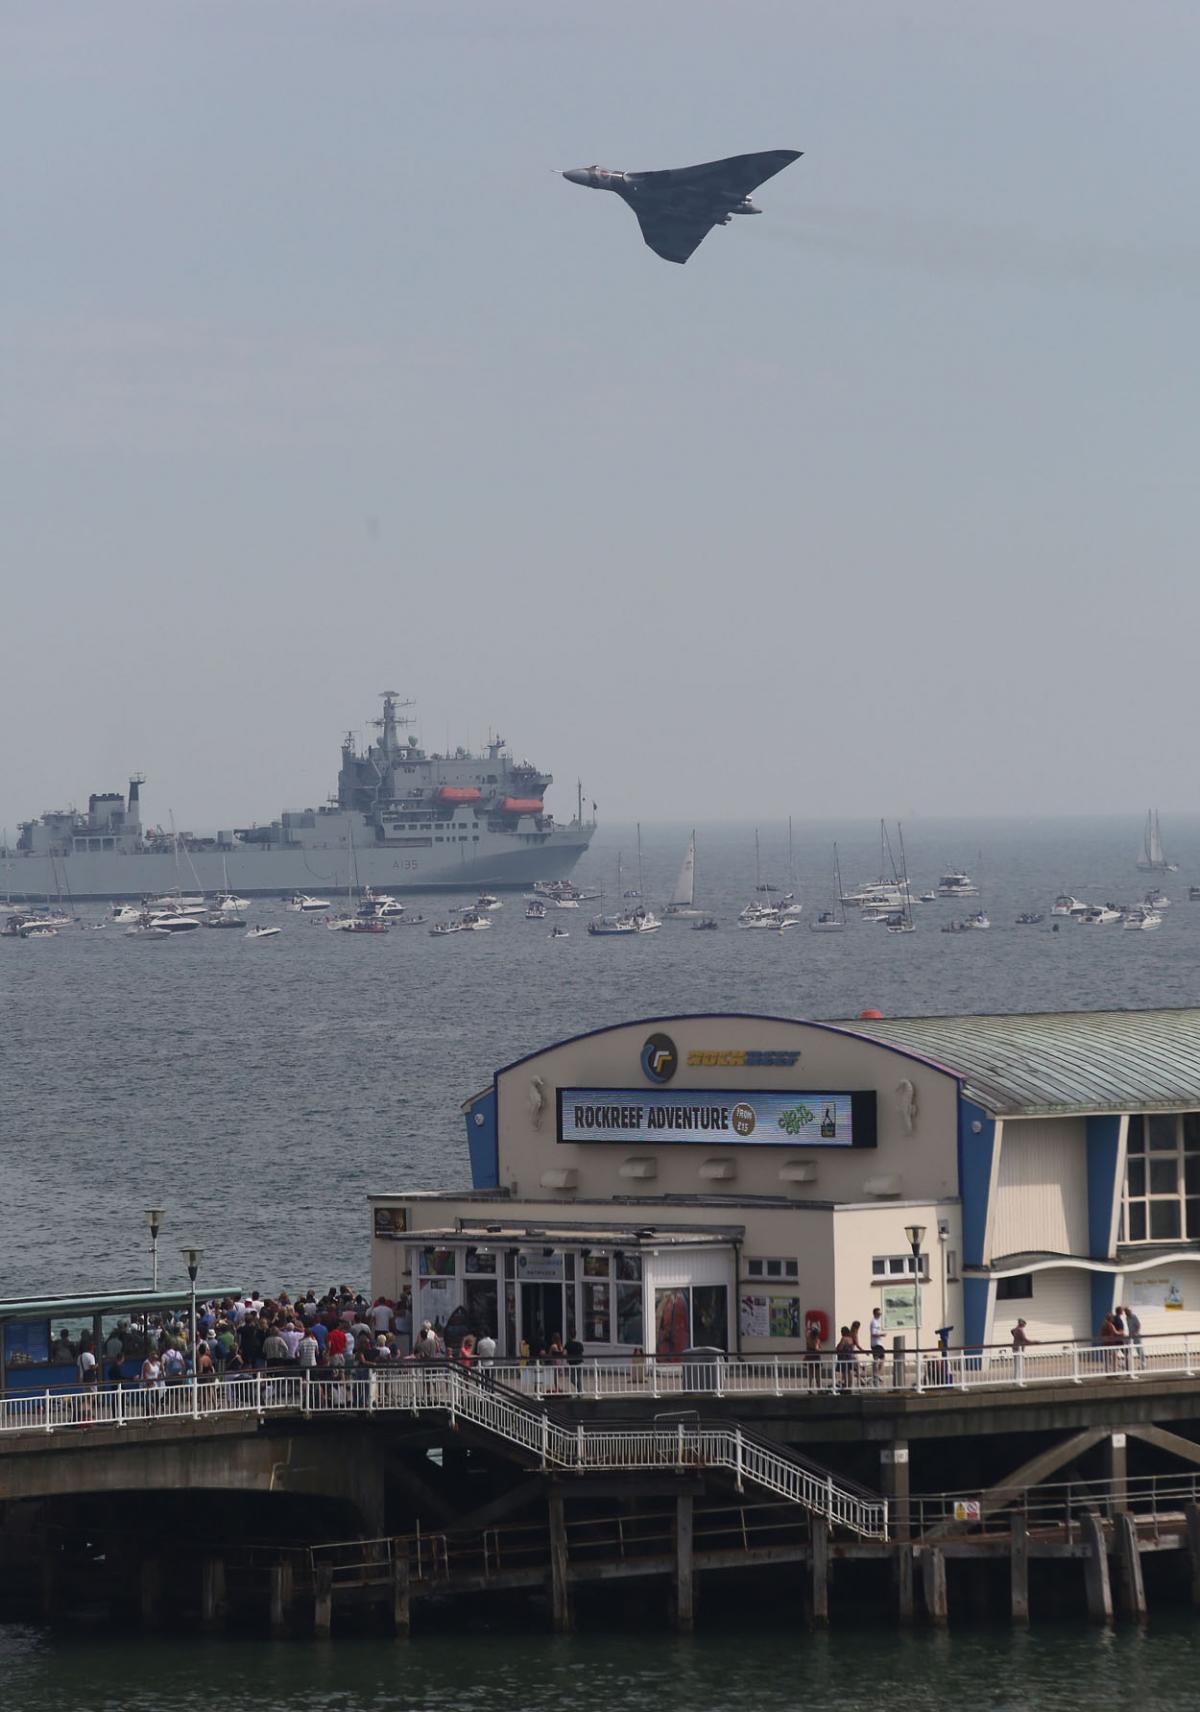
[
  {"x": 126, "y": 915},
  {"x": 1152, "y": 857},
  {"x": 1142, "y": 919},
  {"x": 1155, "y": 899},
  {"x": 472, "y": 922},
  {"x": 535, "y": 910},
  {"x": 174, "y": 903},
  {"x": 683, "y": 898},
  {"x": 1100, "y": 915},
  {"x": 900, "y": 922},
  {"x": 956, "y": 885},
  {"x": 759, "y": 916},
  {"x": 173, "y": 922},
  {"x": 304, "y": 905},
  {"x": 1065, "y": 904}
]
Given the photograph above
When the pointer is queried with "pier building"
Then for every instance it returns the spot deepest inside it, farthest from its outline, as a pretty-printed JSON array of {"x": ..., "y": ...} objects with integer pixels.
[{"x": 733, "y": 1181}]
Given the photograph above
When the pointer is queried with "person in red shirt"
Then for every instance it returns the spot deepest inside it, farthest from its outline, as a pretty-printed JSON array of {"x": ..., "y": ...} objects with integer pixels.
[{"x": 335, "y": 1347}]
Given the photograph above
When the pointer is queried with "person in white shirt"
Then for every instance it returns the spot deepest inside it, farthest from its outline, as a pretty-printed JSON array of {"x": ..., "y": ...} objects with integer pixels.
[
  {"x": 307, "y": 1350},
  {"x": 875, "y": 1339},
  {"x": 381, "y": 1317},
  {"x": 291, "y": 1336}
]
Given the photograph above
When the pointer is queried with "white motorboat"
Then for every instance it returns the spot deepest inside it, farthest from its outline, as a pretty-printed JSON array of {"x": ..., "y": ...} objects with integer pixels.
[
  {"x": 979, "y": 921},
  {"x": 472, "y": 922},
  {"x": 1100, "y": 915},
  {"x": 126, "y": 915},
  {"x": 928, "y": 898},
  {"x": 1142, "y": 920},
  {"x": 1156, "y": 900},
  {"x": 557, "y": 932},
  {"x": 1065, "y": 904},
  {"x": 645, "y": 921},
  {"x": 756, "y": 915},
  {"x": 440, "y": 929},
  {"x": 223, "y": 918},
  {"x": 610, "y": 926},
  {"x": 683, "y": 899},
  {"x": 39, "y": 933},
  {"x": 566, "y": 903},
  {"x": 264, "y": 933},
  {"x": 173, "y": 922},
  {"x": 147, "y": 930},
  {"x": 488, "y": 901},
  {"x": 175, "y": 903},
  {"x": 304, "y": 905},
  {"x": 900, "y": 922},
  {"x": 228, "y": 902},
  {"x": 956, "y": 885},
  {"x": 826, "y": 922},
  {"x": 535, "y": 910}
]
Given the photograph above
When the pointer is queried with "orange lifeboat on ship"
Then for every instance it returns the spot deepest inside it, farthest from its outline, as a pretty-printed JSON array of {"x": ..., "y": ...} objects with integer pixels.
[
  {"x": 458, "y": 794},
  {"x": 521, "y": 805}
]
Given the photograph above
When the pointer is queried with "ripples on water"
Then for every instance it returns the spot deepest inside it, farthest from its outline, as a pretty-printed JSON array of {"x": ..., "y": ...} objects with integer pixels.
[
  {"x": 855, "y": 1668},
  {"x": 258, "y": 1090}
]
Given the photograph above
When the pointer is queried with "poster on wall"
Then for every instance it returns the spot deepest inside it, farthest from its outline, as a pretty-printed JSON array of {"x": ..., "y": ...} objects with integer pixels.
[
  {"x": 1154, "y": 1293},
  {"x": 437, "y": 1299},
  {"x": 540, "y": 1268},
  {"x": 755, "y": 1316},
  {"x": 898, "y": 1304},
  {"x": 741, "y": 1118},
  {"x": 672, "y": 1322},
  {"x": 785, "y": 1316}
]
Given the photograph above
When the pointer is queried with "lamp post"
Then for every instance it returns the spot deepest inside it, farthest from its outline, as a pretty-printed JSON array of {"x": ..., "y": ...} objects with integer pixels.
[
  {"x": 916, "y": 1236},
  {"x": 154, "y": 1217},
  {"x": 192, "y": 1258}
]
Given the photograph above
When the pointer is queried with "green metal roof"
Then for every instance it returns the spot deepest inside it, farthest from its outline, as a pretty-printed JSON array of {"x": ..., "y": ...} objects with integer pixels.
[
  {"x": 1059, "y": 1063},
  {"x": 127, "y": 1302}
]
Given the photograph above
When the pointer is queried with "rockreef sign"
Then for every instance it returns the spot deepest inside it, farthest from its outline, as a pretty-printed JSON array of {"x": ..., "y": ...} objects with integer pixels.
[{"x": 795, "y": 1118}]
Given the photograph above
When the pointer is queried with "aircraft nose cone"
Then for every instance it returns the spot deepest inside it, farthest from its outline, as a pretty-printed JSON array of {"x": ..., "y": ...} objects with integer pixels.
[{"x": 578, "y": 175}]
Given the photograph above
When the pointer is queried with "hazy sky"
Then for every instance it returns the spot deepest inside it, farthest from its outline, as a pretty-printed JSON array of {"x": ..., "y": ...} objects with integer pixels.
[{"x": 315, "y": 382}]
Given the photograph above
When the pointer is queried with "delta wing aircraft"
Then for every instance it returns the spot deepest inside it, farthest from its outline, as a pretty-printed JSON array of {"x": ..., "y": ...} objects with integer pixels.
[{"x": 678, "y": 208}]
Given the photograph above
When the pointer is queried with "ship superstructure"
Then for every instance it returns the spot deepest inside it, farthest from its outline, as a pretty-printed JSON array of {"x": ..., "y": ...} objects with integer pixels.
[{"x": 405, "y": 819}]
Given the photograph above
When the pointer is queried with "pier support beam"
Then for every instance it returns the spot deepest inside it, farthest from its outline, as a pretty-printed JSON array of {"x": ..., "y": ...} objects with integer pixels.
[
  {"x": 1095, "y": 1569},
  {"x": 818, "y": 1566},
  {"x": 323, "y": 1599},
  {"x": 281, "y": 1598},
  {"x": 1117, "y": 1464},
  {"x": 933, "y": 1575},
  {"x": 1133, "y": 1591},
  {"x": 894, "y": 1468},
  {"x": 1019, "y": 1570},
  {"x": 213, "y": 1607},
  {"x": 685, "y": 1580},
  {"x": 560, "y": 1592}
]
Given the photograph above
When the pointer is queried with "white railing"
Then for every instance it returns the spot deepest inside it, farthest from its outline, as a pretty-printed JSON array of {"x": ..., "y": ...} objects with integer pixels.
[{"x": 447, "y": 1390}]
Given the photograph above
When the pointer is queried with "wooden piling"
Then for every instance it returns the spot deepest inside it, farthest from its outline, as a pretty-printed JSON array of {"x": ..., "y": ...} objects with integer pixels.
[
  {"x": 1095, "y": 1569},
  {"x": 1192, "y": 1512},
  {"x": 1019, "y": 1570},
  {"x": 933, "y": 1576},
  {"x": 684, "y": 1607},
  {"x": 401, "y": 1616},
  {"x": 1133, "y": 1591},
  {"x": 560, "y": 1592},
  {"x": 280, "y": 1581},
  {"x": 213, "y": 1605},
  {"x": 818, "y": 1572},
  {"x": 904, "y": 1563},
  {"x": 323, "y": 1599}
]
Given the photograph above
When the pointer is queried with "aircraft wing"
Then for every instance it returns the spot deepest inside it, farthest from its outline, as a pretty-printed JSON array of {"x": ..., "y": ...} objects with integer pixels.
[
  {"x": 736, "y": 177},
  {"x": 673, "y": 236}
]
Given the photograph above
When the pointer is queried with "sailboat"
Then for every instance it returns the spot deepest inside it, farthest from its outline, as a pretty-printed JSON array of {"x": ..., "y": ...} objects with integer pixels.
[
  {"x": 834, "y": 920},
  {"x": 628, "y": 922},
  {"x": 1152, "y": 859},
  {"x": 789, "y": 909},
  {"x": 349, "y": 922},
  {"x": 901, "y": 921},
  {"x": 683, "y": 898}
]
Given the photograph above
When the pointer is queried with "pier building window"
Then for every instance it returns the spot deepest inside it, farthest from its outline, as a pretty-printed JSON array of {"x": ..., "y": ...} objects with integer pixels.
[
  {"x": 1161, "y": 1202},
  {"x": 772, "y": 1268},
  {"x": 899, "y": 1266},
  {"x": 1016, "y": 1289}
]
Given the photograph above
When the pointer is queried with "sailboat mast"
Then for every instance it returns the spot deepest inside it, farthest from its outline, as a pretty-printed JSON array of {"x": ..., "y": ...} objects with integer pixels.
[
  {"x": 641, "y": 888},
  {"x": 837, "y": 874}
]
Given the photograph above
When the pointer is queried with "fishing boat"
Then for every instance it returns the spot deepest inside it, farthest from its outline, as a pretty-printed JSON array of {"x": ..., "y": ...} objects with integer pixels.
[
  {"x": 1153, "y": 859},
  {"x": 683, "y": 899}
]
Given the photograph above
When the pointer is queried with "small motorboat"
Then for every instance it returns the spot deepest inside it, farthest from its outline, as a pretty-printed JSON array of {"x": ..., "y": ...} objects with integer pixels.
[
  {"x": 126, "y": 915},
  {"x": 1141, "y": 920},
  {"x": 39, "y": 933},
  {"x": 301, "y": 902},
  {"x": 706, "y": 924},
  {"x": 1101, "y": 915},
  {"x": 826, "y": 922},
  {"x": 927, "y": 898},
  {"x": 566, "y": 903},
  {"x": 147, "y": 930},
  {"x": 357, "y": 924},
  {"x": 173, "y": 903},
  {"x": 264, "y": 933},
  {"x": 407, "y": 920},
  {"x": 175, "y": 922},
  {"x": 535, "y": 910},
  {"x": 440, "y": 929},
  {"x": 978, "y": 922},
  {"x": 472, "y": 922},
  {"x": 557, "y": 932},
  {"x": 1156, "y": 899},
  {"x": 221, "y": 918},
  {"x": 488, "y": 901},
  {"x": 1030, "y": 918},
  {"x": 1194, "y": 894},
  {"x": 1065, "y": 904}
]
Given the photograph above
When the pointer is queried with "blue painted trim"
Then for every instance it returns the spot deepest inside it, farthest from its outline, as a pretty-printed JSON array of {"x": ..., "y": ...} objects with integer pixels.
[
  {"x": 1104, "y": 1298},
  {"x": 845, "y": 1029},
  {"x": 1103, "y": 1152},
  {"x": 977, "y": 1294},
  {"x": 482, "y": 1144},
  {"x": 975, "y": 1155}
]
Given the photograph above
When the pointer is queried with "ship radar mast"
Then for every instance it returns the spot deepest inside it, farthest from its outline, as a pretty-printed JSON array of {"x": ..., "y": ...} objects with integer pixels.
[{"x": 390, "y": 723}]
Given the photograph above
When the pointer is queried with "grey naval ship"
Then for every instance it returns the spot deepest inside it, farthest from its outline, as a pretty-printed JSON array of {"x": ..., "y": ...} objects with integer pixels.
[{"x": 402, "y": 820}]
